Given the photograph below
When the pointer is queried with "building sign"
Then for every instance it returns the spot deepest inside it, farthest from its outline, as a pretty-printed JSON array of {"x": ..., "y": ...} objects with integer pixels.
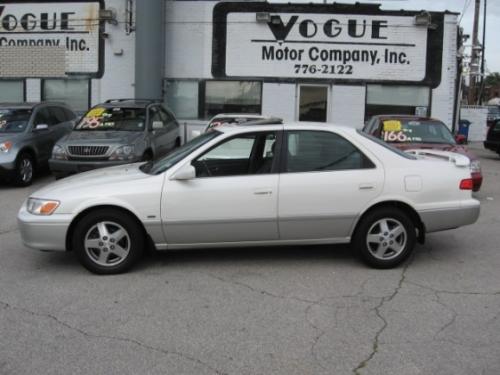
[
  {"x": 29, "y": 31},
  {"x": 310, "y": 42}
]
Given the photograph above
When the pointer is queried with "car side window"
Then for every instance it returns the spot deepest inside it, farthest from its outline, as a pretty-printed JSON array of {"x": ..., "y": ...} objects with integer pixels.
[
  {"x": 41, "y": 117},
  {"x": 57, "y": 114},
  {"x": 68, "y": 114},
  {"x": 243, "y": 154},
  {"x": 155, "y": 116},
  {"x": 309, "y": 151},
  {"x": 168, "y": 119}
]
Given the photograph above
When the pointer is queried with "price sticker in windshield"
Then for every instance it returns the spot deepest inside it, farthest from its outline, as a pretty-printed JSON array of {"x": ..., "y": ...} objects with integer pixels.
[
  {"x": 96, "y": 112},
  {"x": 392, "y": 126},
  {"x": 395, "y": 136}
]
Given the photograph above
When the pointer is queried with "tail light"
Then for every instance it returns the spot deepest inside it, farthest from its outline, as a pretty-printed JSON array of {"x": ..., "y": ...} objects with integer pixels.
[{"x": 466, "y": 184}]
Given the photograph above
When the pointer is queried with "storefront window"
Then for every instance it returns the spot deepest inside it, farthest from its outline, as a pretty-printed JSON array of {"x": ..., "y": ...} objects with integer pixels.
[
  {"x": 232, "y": 97},
  {"x": 313, "y": 103},
  {"x": 409, "y": 100},
  {"x": 73, "y": 92},
  {"x": 181, "y": 96},
  {"x": 11, "y": 91}
]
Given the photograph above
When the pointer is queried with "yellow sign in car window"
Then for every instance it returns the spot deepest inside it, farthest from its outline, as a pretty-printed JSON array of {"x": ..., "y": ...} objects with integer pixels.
[
  {"x": 392, "y": 126},
  {"x": 96, "y": 112}
]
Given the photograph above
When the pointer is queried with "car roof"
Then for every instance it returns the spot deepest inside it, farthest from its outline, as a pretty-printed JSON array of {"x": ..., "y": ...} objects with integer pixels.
[
  {"x": 128, "y": 103},
  {"x": 238, "y": 115},
  {"x": 29, "y": 105},
  {"x": 227, "y": 128},
  {"x": 405, "y": 117}
]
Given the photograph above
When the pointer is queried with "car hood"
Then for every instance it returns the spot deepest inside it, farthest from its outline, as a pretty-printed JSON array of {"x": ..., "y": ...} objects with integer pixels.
[
  {"x": 96, "y": 180},
  {"x": 86, "y": 137},
  {"x": 12, "y": 137},
  {"x": 459, "y": 149}
]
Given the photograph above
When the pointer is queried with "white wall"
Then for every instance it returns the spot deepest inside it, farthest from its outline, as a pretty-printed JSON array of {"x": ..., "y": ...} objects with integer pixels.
[
  {"x": 443, "y": 96},
  {"x": 348, "y": 105},
  {"x": 477, "y": 115},
  {"x": 278, "y": 99},
  {"x": 188, "y": 39}
]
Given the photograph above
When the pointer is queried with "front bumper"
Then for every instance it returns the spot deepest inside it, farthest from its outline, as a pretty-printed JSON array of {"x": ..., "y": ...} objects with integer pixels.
[
  {"x": 43, "y": 232},
  {"x": 450, "y": 218},
  {"x": 68, "y": 167}
]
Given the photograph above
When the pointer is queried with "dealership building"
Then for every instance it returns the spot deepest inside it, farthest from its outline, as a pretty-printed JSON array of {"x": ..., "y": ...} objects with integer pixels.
[{"x": 303, "y": 62}]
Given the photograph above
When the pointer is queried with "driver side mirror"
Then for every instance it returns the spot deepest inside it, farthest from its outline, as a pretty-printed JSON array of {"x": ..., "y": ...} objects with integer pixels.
[
  {"x": 187, "y": 172},
  {"x": 157, "y": 125},
  {"x": 40, "y": 127}
]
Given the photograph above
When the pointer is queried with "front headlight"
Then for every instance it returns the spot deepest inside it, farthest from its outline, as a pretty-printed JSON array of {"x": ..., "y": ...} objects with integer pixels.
[
  {"x": 475, "y": 166},
  {"x": 5, "y": 146},
  {"x": 37, "y": 206},
  {"x": 59, "y": 153},
  {"x": 123, "y": 153}
]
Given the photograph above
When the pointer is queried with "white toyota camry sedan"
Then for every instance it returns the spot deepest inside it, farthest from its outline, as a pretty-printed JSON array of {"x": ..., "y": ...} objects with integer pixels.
[{"x": 276, "y": 184}]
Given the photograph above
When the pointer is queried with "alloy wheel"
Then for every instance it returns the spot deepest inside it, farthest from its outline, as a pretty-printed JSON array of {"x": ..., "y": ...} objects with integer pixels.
[
  {"x": 386, "y": 239},
  {"x": 107, "y": 243}
]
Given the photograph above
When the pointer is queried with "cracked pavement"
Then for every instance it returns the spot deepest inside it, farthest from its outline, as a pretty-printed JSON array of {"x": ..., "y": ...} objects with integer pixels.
[{"x": 303, "y": 310}]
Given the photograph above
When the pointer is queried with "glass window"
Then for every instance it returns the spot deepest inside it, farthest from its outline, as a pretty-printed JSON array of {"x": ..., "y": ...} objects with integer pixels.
[
  {"x": 313, "y": 103},
  {"x": 113, "y": 118},
  {"x": 322, "y": 151},
  {"x": 416, "y": 131},
  {"x": 232, "y": 97},
  {"x": 407, "y": 100},
  {"x": 59, "y": 114},
  {"x": 14, "y": 120},
  {"x": 73, "y": 92},
  {"x": 182, "y": 98},
  {"x": 155, "y": 116},
  {"x": 244, "y": 154},
  {"x": 11, "y": 91}
]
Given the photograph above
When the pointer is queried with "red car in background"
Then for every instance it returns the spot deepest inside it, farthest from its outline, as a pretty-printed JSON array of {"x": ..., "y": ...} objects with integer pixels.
[{"x": 413, "y": 132}]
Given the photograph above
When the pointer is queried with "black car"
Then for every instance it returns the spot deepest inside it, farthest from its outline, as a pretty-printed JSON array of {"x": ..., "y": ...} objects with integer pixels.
[
  {"x": 493, "y": 137},
  {"x": 28, "y": 131}
]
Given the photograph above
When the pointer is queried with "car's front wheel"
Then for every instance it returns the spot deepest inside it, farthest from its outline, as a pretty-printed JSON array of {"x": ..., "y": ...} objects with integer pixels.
[
  {"x": 108, "y": 241},
  {"x": 25, "y": 169},
  {"x": 385, "y": 237}
]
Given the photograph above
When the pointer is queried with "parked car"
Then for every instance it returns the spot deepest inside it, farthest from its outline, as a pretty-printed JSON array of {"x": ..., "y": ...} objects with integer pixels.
[
  {"x": 232, "y": 118},
  {"x": 28, "y": 131},
  {"x": 414, "y": 132},
  {"x": 119, "y": 131},
  {"x": 493, "y": 114},
  {"x": 492, "y": 141},
  {"x": 275, "y": 184}
]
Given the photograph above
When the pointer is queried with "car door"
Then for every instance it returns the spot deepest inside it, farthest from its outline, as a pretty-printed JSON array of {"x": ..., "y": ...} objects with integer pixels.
[
  {"x": 233, "y": 197},
  {"x": 159, "y": 136},
  {"x": 172, "y": 128},
  {"x": 43, "y": 139},
  {"x": 325, "y": 183}
]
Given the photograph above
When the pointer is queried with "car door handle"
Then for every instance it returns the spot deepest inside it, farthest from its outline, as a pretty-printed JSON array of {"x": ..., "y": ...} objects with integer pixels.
[
  {"x": 263, "y": 192},
  {"x": 366, "y": 187}
]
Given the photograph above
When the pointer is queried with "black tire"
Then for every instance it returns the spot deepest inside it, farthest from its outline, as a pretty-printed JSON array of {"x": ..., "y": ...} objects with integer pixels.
[
  {"x": 112, "y": 262},
  {"x": 25, "y": 170},
  {"x": 388, "y": 249}
]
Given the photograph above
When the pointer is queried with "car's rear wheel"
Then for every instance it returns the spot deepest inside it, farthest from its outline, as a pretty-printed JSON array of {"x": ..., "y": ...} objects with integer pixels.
[
  {"x": 108, "y": 241},
  {"x": 385, "y": 237},
  {"x": 25, "y": 169}
]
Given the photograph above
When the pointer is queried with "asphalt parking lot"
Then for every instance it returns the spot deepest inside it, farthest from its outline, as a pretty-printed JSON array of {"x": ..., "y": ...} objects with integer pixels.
[{"x": 307, "y": 310}]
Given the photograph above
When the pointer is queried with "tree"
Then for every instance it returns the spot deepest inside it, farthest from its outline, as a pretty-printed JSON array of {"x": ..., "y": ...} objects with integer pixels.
[{"x": 492, "y": 79}]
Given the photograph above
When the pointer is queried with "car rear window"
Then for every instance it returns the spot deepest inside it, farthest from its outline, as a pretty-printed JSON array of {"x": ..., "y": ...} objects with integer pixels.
[
  {"x": 387, "y": 146},
  {"x": 415, "y": 131}
]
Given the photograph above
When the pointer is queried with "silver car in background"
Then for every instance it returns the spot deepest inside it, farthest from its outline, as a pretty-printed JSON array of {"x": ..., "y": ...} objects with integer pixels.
[
  {"x": 119, "y": 131},
  {"x": 28, "y": 131}
]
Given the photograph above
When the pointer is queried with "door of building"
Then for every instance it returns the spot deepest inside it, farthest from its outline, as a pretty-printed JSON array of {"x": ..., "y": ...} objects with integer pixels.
[{"x": 313, "y": 103}]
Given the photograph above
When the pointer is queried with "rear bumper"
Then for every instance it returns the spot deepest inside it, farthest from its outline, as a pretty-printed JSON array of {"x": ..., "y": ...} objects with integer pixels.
[
  {"x": 68, "y": 167},
  {"x": 450, "y": 218},
  {"x": 43, "y": 232}
]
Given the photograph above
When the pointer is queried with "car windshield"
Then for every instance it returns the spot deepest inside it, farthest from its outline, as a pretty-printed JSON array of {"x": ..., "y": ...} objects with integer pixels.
[
  {"x": 387, "y": 146},
  {"x": 14, "y": 120},
  {"x": 416, "y": 131},
  {"x": 115, "y": 118},
  {"x": 165, "y": 163}
]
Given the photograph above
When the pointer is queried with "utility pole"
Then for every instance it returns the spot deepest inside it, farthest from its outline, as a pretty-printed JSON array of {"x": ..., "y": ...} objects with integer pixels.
[
  {"x": 482, "y": 55},
  {"x": 474, "y": 61}
]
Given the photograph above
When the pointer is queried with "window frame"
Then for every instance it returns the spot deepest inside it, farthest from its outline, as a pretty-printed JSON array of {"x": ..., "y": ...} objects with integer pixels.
[
  {"x": 275, "y": 168},
  {"x": 284, "y": 153}
]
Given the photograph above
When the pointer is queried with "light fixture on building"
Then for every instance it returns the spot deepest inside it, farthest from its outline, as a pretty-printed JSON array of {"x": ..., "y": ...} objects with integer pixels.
[
  {"x": 423, "y": 19},
  {"x": 262, "y": 17},
  {"x": 276, "y": 20},
  {"x": 108, "y": 15}
]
